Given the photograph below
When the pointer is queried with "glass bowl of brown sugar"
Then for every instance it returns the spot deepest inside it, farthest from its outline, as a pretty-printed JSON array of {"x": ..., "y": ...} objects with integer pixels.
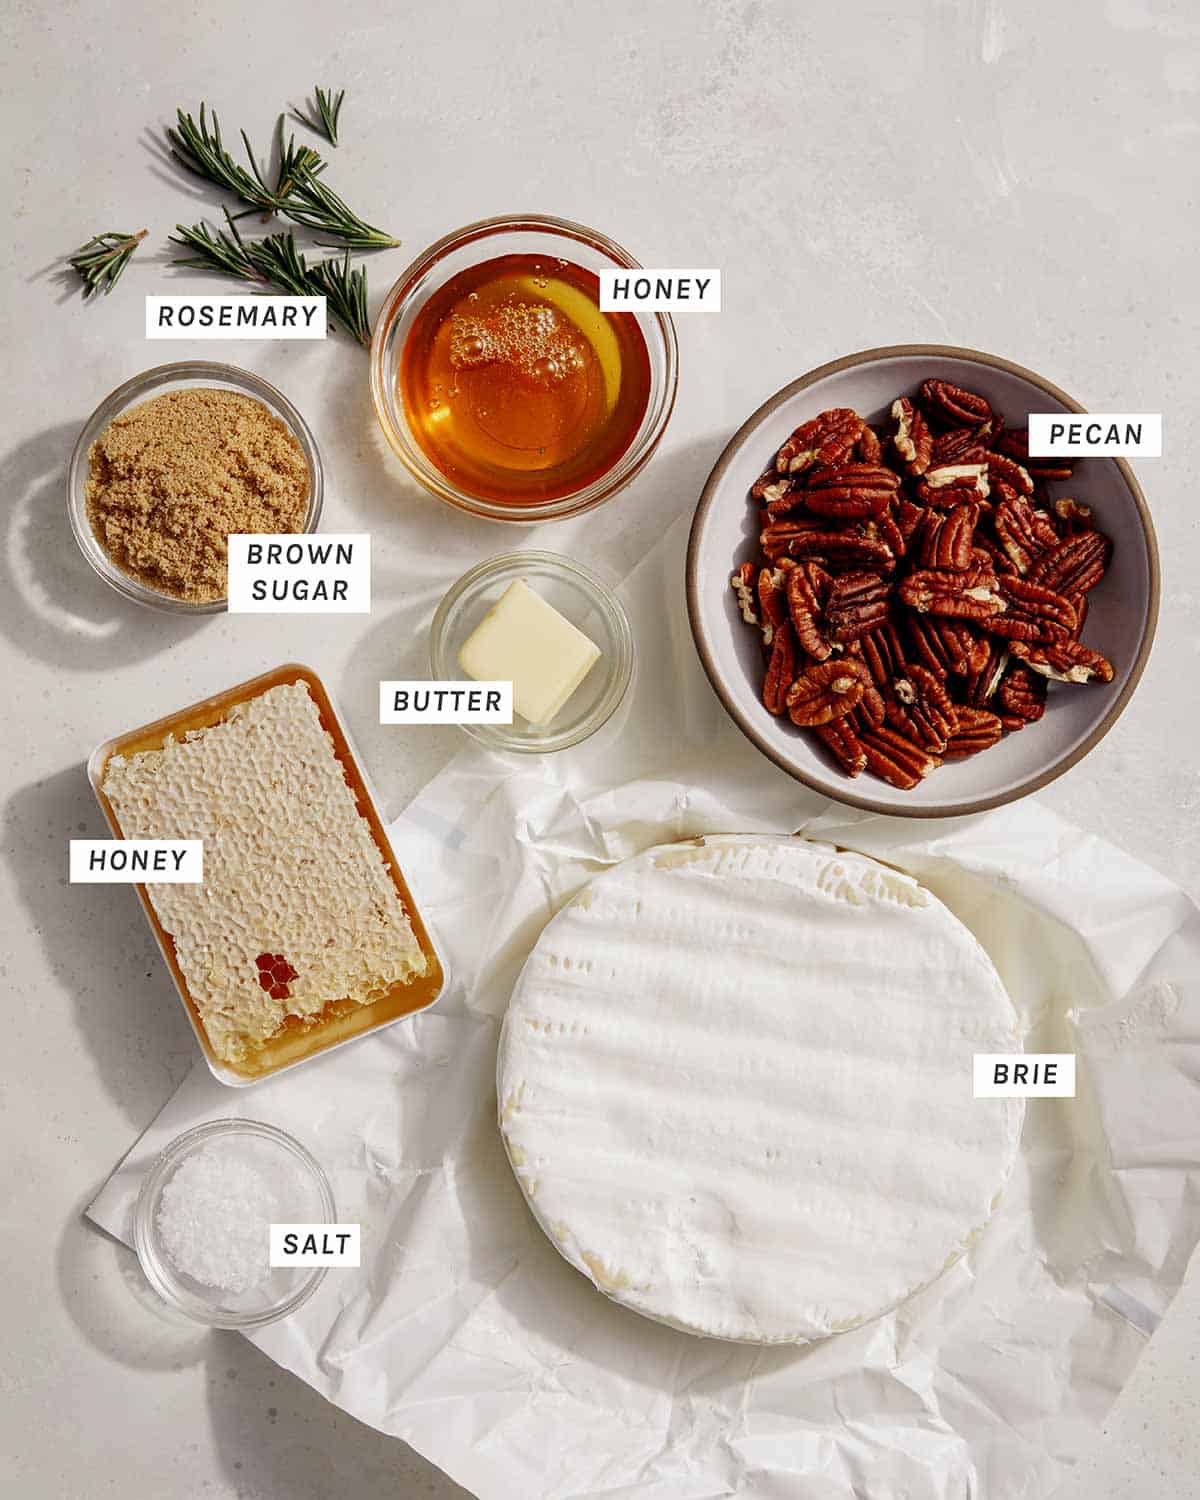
[
  {"x": 503, "y": 386},
  {"x": 174, "y": 461}
]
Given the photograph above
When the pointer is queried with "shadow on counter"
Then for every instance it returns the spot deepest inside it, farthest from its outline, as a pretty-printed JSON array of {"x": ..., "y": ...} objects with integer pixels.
[
  {"x": 54, "y": 607},
  {"x": 98, "y": 947}
]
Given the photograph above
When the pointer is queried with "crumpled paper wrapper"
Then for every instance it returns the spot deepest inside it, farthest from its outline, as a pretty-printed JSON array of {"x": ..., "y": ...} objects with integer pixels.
[{"x": 466, "y": 1334}]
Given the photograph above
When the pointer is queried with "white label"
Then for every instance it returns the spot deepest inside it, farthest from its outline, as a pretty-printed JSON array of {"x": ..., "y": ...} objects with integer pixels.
[
  {"x": 445, "y": 703},
  {"x": 197, "y": 317},
  {"x": 660, "y": 291},
  {"x": 322, "y": 573},
  {"x": 155, "y": 861},
  {"x": 1095, "y": 434},
  {"x": 1024, "y": 1075},
  {"x": 316, "y": 1245}
]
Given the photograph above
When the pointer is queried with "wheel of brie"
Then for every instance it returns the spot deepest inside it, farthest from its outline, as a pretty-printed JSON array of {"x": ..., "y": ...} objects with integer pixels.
[{"x": 735, "y": 1085}]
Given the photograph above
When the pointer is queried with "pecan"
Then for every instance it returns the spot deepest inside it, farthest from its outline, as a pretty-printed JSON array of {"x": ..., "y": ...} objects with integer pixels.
[
  {"x": 868, "y": 449},
  {"x": 1034, "y": 613},
  {"x": 882, "y": 653},
  {"x": 961, "y": 445},
  {"x": 871, "y": 708},
  {"x": 836, "y": 549},
  {"x": 824, "y": 691},
  {"x": 952, "y": 405},
  {"x": 907, "y": 516},
  {"x": 808, "y": 587},
  {"x": 969, "y": 595},
  {"x": 850, "y": 492},
  {"x": 1001, "y": 467},
  {"x": 858, "y": 602},
  {"x": 922, "y": 709},
  {"x": 1072, "y": 516},
  {"x": 951, "y": 483},
  {"x": 826, "y": 439},
  {"x": 742, "y": 584},
  {"x": 894, "y": 758},
  {"x": 1075, "y": 565},
  {"x": 1064, "y": 660},
  {"x": 945, "y": 538},
  {"x": 772, "y": 489},
  {"x": 841, "y": 739},
  {"x": 884, "y": 529},
  {"x": 1080, "y": 603},
  {"x": 1024, "y": 532},
  {"x": 947, "y": 647},
  {"x": 1022, "y": 695},
  {"x": 976, "y": 730},
  {"x": 986, "y": 674},
  {"x": 912, "y": 439},
  {"x": 781, "y": 669},
  {"x": 772, "y": 602}
]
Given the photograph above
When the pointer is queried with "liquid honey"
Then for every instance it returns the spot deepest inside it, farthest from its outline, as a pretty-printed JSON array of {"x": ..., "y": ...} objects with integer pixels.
[{"x": 517, "y": 387}]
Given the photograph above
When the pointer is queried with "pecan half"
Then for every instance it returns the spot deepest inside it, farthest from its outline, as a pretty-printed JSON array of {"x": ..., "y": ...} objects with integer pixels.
[
  {"x": 828, "y": 438},
  {"x": 1064, "y": 660},
  {"x": 969, "y": 595},
  {"x": 949, "y": 484},
  {"x": 841, "y": 739},
  {"x": 824, "y": 691},
  {"x": 781, "y": 669},
  {"x": 882, "y": 653},
  {"x": 952, "y": 405},
  {"x": 850, "y": 492},
  {"x": 985, "y": 676},
  {"x": 808, "y": 587},
  {"x": 949, "y": 648},
  {"x": 742, "y": 584},
  {"x": 912, "y": 439},
  {"x": 1075, "y": 565},
  {"x": 1072, "y": 517},
  {"x": 945, "y": 538},
  {"x": 858, "y": 602},
  {"x": 961, "y": 445},
  {"x": 836, "y": 549},
  {"x": 1008, "y": 470},
  {"x": 894, "y": 758},
  {"x": 976, "y": 730},
  {"x": 773, "y": 489},
  {"x": 1024, "y": 532},
  {"x": 1034, "y": 613},
  {"x": 922, "y": 709},
  {"x": 1021, "y": 695},
  {"x": 869, "y": 448},
  {"x": 772, "y": 602}
]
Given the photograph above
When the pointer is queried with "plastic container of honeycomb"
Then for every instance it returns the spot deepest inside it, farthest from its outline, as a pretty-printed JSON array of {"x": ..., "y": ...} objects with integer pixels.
[{"x": 340, "y": 1019}]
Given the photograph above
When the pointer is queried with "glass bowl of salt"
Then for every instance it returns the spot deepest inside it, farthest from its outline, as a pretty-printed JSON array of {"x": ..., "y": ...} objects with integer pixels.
[{"x": 203, "y": 1217}]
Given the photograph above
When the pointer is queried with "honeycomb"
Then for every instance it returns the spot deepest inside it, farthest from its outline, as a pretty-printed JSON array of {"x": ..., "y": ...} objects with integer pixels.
[{"x": 298, "y": 909}]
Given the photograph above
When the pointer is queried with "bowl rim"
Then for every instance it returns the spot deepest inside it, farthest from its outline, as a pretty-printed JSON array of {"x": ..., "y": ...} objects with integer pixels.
[
  {"x": 422, "y": 470},
  {"x": 708, "y": 494},
  {"x": 120, "y": 399}
]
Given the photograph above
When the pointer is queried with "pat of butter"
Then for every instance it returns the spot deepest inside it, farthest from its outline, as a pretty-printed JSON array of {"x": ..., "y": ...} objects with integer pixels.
[{"x": 524, "y": 640}]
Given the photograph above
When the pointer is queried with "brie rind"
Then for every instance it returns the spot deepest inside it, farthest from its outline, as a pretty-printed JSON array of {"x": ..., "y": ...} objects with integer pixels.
[{"x": 735, "y": 1085}]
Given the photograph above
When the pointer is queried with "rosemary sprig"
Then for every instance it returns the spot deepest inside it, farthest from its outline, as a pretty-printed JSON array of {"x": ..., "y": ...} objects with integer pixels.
[
  {"x": 100, "y": 262},
  {"x": 203, "y": 152},
  {"x": 317, "y": 206},
  {"x": 329, "y": 107},
  {"x": 293, "y": 159},
  {"x": 298, "y": 195},
  {"x": 275, "y": 260}
]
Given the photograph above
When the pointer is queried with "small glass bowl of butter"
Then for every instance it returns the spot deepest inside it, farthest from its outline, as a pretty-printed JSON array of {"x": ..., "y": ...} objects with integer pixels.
[{"x": 550, "y": 626}]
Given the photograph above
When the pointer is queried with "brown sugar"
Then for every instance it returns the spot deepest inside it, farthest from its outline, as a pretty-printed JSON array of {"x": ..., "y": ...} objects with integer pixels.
[{"x": 170, "y": 479}]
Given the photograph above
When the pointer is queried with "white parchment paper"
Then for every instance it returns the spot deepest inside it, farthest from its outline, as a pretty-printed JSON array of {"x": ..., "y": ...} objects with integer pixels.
[{"x": 465, "y": 1333}]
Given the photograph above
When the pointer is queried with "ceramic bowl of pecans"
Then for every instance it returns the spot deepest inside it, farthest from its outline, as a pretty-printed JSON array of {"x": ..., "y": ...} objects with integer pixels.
[{"x": 902, "y": 608}]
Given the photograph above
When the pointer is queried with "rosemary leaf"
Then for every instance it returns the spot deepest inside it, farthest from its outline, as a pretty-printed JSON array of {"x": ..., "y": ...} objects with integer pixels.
[
  {"x": 100, "y": 262},
  {"x": 293, "y": 159},
  {"x": 274, "y": 260},
  {"x": 329, "y": 107},
  {"x": 317, "y": 206},
  {"x": 203, "y": 152}
]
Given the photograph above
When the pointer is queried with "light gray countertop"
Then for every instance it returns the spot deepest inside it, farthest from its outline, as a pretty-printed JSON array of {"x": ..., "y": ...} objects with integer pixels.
[{"x": 1015, "y": 176}]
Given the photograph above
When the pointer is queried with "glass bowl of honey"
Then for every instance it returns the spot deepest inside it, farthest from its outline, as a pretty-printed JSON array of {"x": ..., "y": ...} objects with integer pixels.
[{"x": 501, "y": 385}]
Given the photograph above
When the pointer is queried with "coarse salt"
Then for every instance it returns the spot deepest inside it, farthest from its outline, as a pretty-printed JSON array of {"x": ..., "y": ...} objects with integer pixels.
[{"x": 215, "y": 1215}]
